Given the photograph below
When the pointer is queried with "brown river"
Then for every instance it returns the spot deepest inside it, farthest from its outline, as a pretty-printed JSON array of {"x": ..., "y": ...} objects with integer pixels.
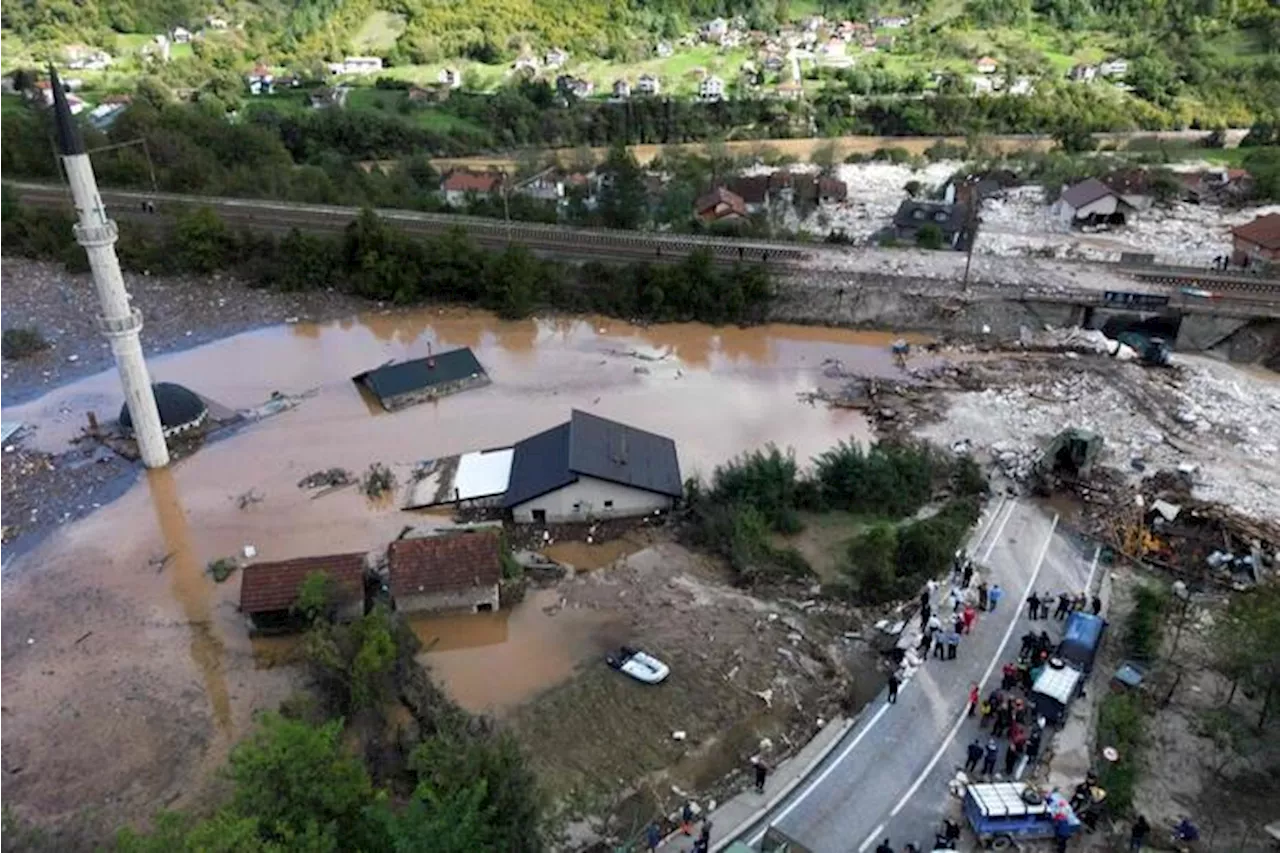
[{"x": 116, "y": 640}]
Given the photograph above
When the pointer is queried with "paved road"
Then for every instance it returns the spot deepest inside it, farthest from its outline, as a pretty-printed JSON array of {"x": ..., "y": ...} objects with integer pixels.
[{"x": 888, "y": 778}]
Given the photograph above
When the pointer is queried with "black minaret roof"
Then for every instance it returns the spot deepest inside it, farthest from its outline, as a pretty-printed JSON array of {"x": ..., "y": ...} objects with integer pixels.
[{"x": 69, "y": 140}]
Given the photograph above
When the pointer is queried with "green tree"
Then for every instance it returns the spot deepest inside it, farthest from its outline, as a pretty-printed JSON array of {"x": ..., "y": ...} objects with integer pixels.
[
  {"x": 1264, "y": 165},
  {"x": 315, "y": 596},
  {"x": 622, "y": 198},
  {"x": 1247, "y": 645},
  {"x": 929, "y": 236},
  {"x": 202, "y": 241},
  {"x": 354, "y": 662}
]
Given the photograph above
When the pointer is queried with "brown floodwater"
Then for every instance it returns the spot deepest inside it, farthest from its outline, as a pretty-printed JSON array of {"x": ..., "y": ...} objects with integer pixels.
[
  {"x": 717, "y": 392},
  {"x": 491, "y": 662}
]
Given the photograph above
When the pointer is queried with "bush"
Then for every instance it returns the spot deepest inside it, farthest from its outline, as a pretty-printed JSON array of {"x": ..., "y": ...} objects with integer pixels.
[
  {"x": 887, "y": 562},
  {"x": 221, "y": 568},
  {"x": 764, "y": 480},
  {"x": 929, "y": 236},
  {"x": 895, "y": 155},
  {"x": 1143, "y": 629},
  {"x": 968, "y": 478},
  {"x": 1120, "y": 724},
  {"x": 887, "y": 480},
  {"x": 22, "y": 342}
]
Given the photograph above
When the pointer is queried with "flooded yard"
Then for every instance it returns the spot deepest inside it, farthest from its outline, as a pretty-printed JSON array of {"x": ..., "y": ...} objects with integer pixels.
[{"x": 127, "y": 671}]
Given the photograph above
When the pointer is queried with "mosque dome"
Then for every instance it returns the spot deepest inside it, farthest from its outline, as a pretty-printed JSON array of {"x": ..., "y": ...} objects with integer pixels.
[{"x": 181, "y": 409}]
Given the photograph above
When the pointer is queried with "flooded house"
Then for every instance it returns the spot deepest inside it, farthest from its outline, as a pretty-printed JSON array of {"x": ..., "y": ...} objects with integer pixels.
[
  {"x": 269, "y": 591},
  {"x": 450, "y": 571},
  {"x": 590, "y": 468},
  {"x": 407, "y": 383},
  {"x": 181, "y": 410}
]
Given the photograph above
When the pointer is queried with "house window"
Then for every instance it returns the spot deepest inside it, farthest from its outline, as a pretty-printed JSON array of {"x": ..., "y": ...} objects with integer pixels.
[
  {"x": 608, "y": 504},
  {"x": 539, "y": 516},
  {"x": 577, "y": 507}
]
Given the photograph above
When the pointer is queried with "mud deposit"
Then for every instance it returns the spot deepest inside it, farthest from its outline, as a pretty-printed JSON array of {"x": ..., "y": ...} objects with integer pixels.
[{"x": 127, "y": 672}]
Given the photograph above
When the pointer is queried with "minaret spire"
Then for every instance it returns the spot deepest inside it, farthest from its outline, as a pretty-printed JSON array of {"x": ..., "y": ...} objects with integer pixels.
[{"x": 119, "y": 321}]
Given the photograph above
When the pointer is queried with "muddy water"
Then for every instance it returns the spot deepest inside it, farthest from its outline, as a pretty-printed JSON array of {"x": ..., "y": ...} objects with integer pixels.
[
  {"x": 596, "y": 555},
  {"x": 491, "y": 662},
  {"x": 717, "y": 392}
]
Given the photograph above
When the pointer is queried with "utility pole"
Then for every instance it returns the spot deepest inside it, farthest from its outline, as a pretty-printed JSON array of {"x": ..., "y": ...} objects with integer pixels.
[{"x": 120, "y": 322}]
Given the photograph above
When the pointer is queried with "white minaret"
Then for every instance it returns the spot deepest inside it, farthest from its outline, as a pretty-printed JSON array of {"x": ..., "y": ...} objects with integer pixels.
[{"x": 119, "y": 321}]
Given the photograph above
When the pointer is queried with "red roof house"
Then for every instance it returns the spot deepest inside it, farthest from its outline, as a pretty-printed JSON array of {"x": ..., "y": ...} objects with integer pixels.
[
  {"x": 720, "y": 205},
  {"x": 1257, "y": 241},
  {"x": 447, "y": 572},
  {"x": 268, "y": 591}
]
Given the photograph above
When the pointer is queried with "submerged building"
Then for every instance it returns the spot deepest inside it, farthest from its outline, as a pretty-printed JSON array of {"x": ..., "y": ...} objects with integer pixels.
[
  {"x": 409, "y": 382},
  {"x": 180, "y": 408}
]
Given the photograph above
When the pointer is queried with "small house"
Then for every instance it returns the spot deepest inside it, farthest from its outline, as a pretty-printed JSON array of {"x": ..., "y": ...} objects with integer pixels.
[
  {"x": 525, "y": 64},
  {"x": 715, "y": 29},
  {"x": 621, "y": 90},
  {"x": 261, "y": 80},
  {"x": 328, "y": 96},
  {"x": 987, "y": 65},
  {"x": 720, "y": 205},
  {"x": 664, "y": 50},
  {"x": 892, "y": 22},
  {"x": 269, "y": 591},
  {"x": 423, "y": 379},
  {"x": 753, "y": 189},
  {"x": 1022, "y": 87},
  {"x": 104, "y": 115},
  {"x": 1083, "y": 73},
  {"x": 1257, "y": 241},
  {"x": 1091, "y": 202},
  {"x": 450, "y": 77},
  {"x": 449, "y": 571},
  {"x": 590, "y": 468},
  {"x": 711, "y": 88},
  {"x": 181, "y": 35},
  {"x": 215, "y": 23},
  {"x": 361, "y": 65},
  {"x": 982, "y": 85},
  {"x": 648, "y": 84},
  {"x": 84, "y": 58},
  {"x": 951, "y": 220},
  {"x": 555, "y": 58},
  {"x": 544, "y": 187},
  {"x": 461, "y": 184},
  {"x": 1114, "y": 67}
]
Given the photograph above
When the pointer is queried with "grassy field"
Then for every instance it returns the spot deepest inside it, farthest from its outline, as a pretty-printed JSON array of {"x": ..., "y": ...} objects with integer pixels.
[{"x": 379, "y": 32}]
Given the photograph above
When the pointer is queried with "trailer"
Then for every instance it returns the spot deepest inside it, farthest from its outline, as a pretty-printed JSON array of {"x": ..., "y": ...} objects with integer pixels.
[{"x": 1003, "y": 813}]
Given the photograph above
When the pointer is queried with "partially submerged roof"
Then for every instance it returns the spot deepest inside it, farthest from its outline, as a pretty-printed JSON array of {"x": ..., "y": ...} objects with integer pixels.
[
  {"x": 392, "y": 380},
  {"x": 267, "y": 587},
  {"x": 1086, "y": 192},
  {"x": 445, "y": 563},
  {"x": 596, "y": 447},
  {"x": 472, "y": 476},
  {"x": 1264, "y": 231},
  {"x": 177, "y": 405}
]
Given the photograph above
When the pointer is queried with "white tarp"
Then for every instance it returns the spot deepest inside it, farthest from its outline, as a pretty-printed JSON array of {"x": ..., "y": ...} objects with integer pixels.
[{"x": 483, "y": 473}]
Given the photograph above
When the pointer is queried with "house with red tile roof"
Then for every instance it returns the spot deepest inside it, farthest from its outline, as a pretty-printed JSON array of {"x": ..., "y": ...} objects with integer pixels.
[
  {"x": 457, "y": 570},
  {"x": 1257, "y": 241},
  {"x": 461, "y": 183},
  {"x": 269, "y": 591}
]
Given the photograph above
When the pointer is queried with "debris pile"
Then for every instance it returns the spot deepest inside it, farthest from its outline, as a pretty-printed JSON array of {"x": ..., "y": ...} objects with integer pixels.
[
  {"x": 328, "y": 478},
  {"x": 378, "y": 481}
]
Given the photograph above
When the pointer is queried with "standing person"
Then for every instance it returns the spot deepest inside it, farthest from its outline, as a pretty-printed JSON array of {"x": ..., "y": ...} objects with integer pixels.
[
  {"x": 761, "y": 773},
  {"x": 975, "y": 698},
  {"x": 958, "y": 622},
  {"x": 686, "y": 818},
  {"x": 924, "y": 607},
  {"x": 989, "y": 756},
  {"x": 968, "y": 574},
  {"x": 988, "y": 708},
  {"x": 1046, "y": 604},
  {"x": 704, "y": 837},
  {"x": 1011, "y": 756},
  {"x": 1033, "y": 607},
  {"x": 894, "y": 683},
  {"x": 1061, "y": 833},
  {"x": 1097, "y": 605},
  {"x": 995, "y": 595},
  {"x": 884, "y": 847},
  {"x": 935, "y": 624},
  {"x": 1064, "y": 606},
  {"x": 1138, "y": 835},
  {"x": 970, "y": 617},
  {"x": 973, "y": 756},
  {"x": 1002, "y": 718},
  {"x": 926, "y": 641},
  {"x": 1033, "y": 746},
  {"x": 940, "y": 645},
  {"x": 1028, "y": 645},
  {"x": 953, "y": 644},
  {"x": 983, "y": 596},
  {"x": 653, "y": 836}
]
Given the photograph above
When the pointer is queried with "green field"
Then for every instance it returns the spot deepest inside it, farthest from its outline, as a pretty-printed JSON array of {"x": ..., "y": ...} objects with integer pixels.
[{"x": 379, "y": 32}]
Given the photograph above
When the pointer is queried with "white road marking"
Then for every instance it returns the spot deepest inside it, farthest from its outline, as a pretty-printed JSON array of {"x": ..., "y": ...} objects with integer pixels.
[
  {"x": 987, "y": 524},
  {"x": 999, "y": 531},
  {"x": 1093, "y": 567},
  {"x": 875, "y": 833},
  {"x": 844, "y": 753},
  {"x": 1013, "y": 623}
]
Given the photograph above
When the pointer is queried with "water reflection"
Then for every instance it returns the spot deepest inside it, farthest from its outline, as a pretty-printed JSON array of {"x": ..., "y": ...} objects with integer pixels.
[{"x": 192, "y": 588}]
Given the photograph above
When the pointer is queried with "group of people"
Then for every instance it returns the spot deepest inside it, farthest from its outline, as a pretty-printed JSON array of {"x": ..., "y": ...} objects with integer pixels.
[
  {"x": 941, "y": 627},
  {"x": 945, "y": 839},
  {"x": 1040, "y": 603},
  {"x": 702, "y": 844}
]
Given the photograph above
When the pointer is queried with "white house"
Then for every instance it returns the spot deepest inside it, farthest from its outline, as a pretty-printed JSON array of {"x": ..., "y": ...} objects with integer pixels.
[
  {"x": 181, "y": 35},
  {"x": 982, "y": 85},
  {"x": 1115, "y": 67},
  {"x": 715, "y": 30},
  {"x": 83, "y": 58},
  {"x": 555, "y": 58},
  {"x": 450, "y": 77},
  {"x": 664, "y": 49},
  {"x": 1022, "y": 86},
  {"x": 621, "y": 89},
  {"x": 987, "y": 65},
  {"x": 215, "y": 23},
  {"x": 361, "y": 65},
  {"x": 261, "y": 81},
  {"x": 1083, "y": 73},
  {"x": 1089, "y": 202},
  {"x": 591, "y": 468},
  {"x": 711, "y": 88},
  {"x": 892, "y": 23},
  {"x": 648, "y": 84},
  {"x": 525, "y": 63}
]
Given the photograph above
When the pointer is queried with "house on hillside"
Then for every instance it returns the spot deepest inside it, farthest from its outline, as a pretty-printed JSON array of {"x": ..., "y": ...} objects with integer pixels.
[
  {"x": 1083, "y": 73},
  {"x": 555, "y": 58},
  {"x": 648, "y": 84},
  {"x": 180, "y": 35},
  {"x": 81, "y": 57},
  {"x": 261, "y": 81},
  {"x": 711, "y": 88},
  {"x": 664, "y": 50},
  {"x": 986, "y": 65},
  {"x": 361, "y": 65},
  {"x": 951, "y": 220},
  {"x": 545, "y": 187},
  {"x": 1021, "y": 87},
  {"x": 621, "y": 90},
  {"x": 327, "y": 97},
  {"x": 1257, "y": 241},
  {"x": 215, "y": 23},
  {"x": 435, "y": 93},
  {"x": 111, "y": 108},
  {"x": 269, "y": 591},
  {"x": 591, "y": 468},
  {"x": 1114, "y": 67},
  {"x": 720, "y": 205},
  {"x": 422, "y": 380},
  {"x": 1091, "y": 202},
  {"x": 449, "y": 571},
  {"x": 525, "y": 64},
  {"x": 460, "y": 185},
  {"x": 893, "y": 22},
  {"x": 810, "y": 189},
  {"x": 714, "y": 30},
  {"x": 450, "y": 77}
]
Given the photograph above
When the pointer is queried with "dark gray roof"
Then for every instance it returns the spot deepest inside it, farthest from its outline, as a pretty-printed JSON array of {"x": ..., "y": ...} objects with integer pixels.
[
  {"x": 949, "y": 218},
  {"x": 178, "y": 405},
  {"x": 593, "y": 447},
  {"x": 1086, "y": 192},
  {"x": 69, "y": 140},
  {"x": 393, "y": 380}
]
